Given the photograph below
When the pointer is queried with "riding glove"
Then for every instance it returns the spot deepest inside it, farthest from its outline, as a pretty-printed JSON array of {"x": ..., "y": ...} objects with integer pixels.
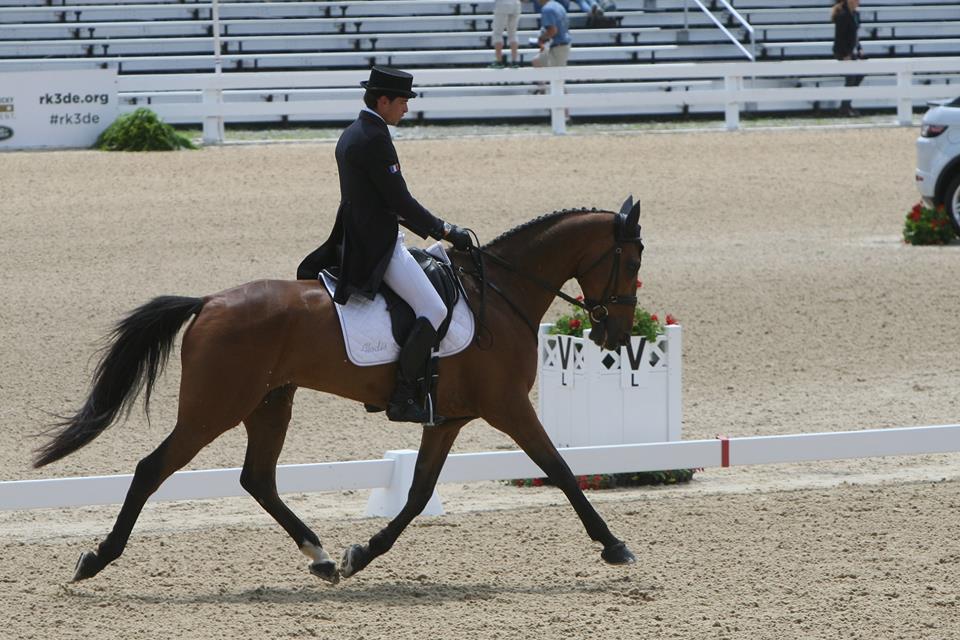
[{"x": 459, "y": 238}]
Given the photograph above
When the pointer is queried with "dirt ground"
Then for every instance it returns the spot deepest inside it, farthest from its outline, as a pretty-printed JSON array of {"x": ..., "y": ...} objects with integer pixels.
[{"x": 780, "y": 253}]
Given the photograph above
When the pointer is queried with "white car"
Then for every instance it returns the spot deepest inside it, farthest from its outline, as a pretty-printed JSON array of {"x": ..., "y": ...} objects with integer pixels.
[{"x": 938, "y": 159}]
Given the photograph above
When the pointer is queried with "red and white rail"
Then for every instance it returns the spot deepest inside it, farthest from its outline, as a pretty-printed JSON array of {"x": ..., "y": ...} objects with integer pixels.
[{"x": 390, "y": 477}]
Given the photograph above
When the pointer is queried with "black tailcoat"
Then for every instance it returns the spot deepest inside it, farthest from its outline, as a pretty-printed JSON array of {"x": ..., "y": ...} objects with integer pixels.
[{"x": 373, "y": 200}]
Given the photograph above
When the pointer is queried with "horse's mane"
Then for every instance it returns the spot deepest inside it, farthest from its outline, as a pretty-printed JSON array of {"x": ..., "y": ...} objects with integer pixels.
[{"x": 547, "y": 217}]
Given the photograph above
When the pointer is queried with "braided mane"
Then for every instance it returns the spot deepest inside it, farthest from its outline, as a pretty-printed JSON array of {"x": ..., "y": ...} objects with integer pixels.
[{"x": 547, "y": 217}]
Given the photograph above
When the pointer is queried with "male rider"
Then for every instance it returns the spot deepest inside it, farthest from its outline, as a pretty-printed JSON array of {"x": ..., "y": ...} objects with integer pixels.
[{"x": 366, "y": 242}]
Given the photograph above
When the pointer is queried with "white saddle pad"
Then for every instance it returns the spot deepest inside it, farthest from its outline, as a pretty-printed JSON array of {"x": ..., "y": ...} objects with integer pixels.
[{"x": 366, "y": 325}]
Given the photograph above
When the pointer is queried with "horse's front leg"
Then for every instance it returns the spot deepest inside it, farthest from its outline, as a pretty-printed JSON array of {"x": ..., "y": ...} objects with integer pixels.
[
  {"x": 519, "y": 421},
  {"x": 434, "y": 446}
]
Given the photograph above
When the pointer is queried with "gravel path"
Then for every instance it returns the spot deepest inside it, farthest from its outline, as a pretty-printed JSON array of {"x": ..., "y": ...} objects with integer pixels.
[{"x": 780, "y": 253}]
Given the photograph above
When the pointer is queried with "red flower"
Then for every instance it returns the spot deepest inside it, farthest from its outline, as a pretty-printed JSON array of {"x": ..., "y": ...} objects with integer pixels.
[
  {"x": 639, "y": 283},
  {"x": 538, "y": 482},
  {"x": 916, "y": 208},
  {"x": 671, "y": 319},
  {"x": 915, "y": 215},
  {"x": 574, "y": 324},
  {"x": 580, "y": 298},
  {"x": 654, "y": 317}
]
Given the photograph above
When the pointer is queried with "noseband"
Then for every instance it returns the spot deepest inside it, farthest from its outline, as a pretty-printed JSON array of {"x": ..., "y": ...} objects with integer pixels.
[{"x": 597, "y": 309}]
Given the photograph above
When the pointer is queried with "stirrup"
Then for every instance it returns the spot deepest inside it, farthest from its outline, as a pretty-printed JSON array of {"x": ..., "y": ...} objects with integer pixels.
[
  {"x": 410, "y": 411},
  {"x": 407, "y": 411},
  {"x": 403, "y": 406}
]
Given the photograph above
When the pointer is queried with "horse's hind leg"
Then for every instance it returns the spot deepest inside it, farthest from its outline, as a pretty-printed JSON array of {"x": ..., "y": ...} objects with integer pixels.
[
  {"x": 266, "y": 430},
  {"x": 173, "y": 453}
]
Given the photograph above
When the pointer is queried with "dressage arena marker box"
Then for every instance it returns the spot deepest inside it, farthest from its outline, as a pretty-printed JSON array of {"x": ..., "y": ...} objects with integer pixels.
[{"x": 590, "y": 396}]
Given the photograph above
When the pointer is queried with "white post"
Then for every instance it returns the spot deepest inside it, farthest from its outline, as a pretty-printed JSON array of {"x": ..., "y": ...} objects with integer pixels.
[
  {"x": 388, "y": 502},
  {"x": 213, "y": 117},
  {"x": 213, "y": 123},
  {"x": 217, "y": 67},
  {"x": 674, "y": 378},
  {"x": 904, "y": 102},
  {"x": 558, "y": 116},
  {"x": 732, "y": 86}
]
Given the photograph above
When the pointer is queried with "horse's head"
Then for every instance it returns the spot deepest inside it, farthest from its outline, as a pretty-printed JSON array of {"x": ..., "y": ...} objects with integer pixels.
[{"x": 608, "y": 278}]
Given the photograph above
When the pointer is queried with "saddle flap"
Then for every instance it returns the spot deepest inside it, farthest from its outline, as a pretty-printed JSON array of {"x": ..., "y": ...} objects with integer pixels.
[{"x": 439, "y": 271}]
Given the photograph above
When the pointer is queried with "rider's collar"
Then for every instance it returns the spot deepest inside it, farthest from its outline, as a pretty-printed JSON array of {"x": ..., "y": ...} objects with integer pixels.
[{"x": 369, "y": 110}]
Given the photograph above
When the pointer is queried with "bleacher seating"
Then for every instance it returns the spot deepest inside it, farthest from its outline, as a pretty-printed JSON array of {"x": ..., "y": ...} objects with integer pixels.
[
  {"x": 161, "y": 36},
  {"x": 138, "y": 36}
]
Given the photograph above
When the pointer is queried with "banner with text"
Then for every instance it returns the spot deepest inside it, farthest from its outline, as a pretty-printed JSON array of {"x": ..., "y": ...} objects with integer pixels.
[{"x": 56, "y": 108}]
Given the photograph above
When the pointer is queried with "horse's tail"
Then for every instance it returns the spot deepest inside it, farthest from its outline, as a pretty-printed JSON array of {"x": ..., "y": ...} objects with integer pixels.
[{"x": 134, "y": 357}]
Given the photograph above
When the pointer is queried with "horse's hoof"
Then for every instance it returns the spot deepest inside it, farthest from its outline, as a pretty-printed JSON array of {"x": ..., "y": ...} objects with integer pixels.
[
  {"x": 325, "y": 570},
  {"x": 88, "y": 565},
  {"x": 350, "y": 563},
  {"x": 618, "y": 554}
]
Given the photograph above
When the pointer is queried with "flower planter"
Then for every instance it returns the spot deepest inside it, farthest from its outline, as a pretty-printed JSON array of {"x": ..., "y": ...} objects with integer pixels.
[{"x": 590, "y": 396}]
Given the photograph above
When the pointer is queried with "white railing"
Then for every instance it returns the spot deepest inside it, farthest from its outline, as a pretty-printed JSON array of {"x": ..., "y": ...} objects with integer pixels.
[
  {"x": 391, "y": 477},
  {"x": 727, "y": 87},
  {"x": 750, "y": 53}
]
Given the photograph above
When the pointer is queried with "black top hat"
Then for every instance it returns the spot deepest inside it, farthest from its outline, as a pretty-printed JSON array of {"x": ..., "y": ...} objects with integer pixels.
[{"x": 390, "y": 81}]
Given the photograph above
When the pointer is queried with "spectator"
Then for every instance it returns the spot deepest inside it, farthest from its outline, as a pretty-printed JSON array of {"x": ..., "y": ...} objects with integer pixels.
[
  {"x": 506, "y": 15},
  {"x": 846, "y": 43},
  {"x": 590, "y": 7},
  {"x": 554, "y": 39}
]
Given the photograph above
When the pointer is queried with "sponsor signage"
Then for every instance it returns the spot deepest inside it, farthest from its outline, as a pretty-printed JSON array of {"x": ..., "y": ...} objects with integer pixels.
[{"x": 56, "y": 109}]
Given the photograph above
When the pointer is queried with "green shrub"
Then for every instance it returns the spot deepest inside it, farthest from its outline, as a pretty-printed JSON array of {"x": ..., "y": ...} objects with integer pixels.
[
  {"x": 141, "y": 130},
  {"x": 644, "y": 323},
  {"x": 927, "y": 226}
]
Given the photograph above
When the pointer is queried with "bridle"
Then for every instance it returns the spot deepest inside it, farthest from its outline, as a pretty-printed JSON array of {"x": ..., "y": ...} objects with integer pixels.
[{"x": 597, "y": 309}]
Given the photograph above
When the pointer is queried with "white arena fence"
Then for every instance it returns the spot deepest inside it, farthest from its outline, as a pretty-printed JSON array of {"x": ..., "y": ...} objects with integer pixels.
[
  {"x": 390, "y": 478},
  {"x": 730, "y": 87}
]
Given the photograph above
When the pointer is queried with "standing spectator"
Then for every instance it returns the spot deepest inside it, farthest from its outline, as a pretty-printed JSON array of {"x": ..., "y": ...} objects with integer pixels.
[
  {"x": 506, "y": 15},
  {"x": 846, "y": 43},
  {"x": 554, "y": 37}
]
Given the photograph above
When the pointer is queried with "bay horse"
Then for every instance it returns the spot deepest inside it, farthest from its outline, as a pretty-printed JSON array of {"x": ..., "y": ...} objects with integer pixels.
[{"x": 250, "y": 348}]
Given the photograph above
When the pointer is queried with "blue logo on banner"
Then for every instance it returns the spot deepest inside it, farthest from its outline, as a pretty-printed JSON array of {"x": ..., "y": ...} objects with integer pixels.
[{"x": 6, "y": 133}]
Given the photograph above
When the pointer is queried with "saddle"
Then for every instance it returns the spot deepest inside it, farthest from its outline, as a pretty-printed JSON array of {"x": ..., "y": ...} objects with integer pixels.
[{"x": 443, "y": 278}]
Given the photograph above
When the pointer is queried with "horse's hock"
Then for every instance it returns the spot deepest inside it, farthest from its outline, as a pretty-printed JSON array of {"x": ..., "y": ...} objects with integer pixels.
[{"x": 590, "y": 396}]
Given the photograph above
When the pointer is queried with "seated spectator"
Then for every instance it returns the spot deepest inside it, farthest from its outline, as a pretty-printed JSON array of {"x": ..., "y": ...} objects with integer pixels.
[{"x": 590, "y": 7}]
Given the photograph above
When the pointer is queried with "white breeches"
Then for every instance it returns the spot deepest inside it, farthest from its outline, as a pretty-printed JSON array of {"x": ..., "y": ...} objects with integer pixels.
[{"x": 408, "y": 280}]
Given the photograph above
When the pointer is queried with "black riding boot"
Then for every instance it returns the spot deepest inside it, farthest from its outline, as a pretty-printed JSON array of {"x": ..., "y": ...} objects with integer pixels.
[{"x": 404, "y": 406}]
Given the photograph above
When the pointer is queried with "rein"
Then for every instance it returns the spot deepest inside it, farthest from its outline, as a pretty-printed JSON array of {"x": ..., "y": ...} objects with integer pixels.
[{"x": 596, "y": 309}]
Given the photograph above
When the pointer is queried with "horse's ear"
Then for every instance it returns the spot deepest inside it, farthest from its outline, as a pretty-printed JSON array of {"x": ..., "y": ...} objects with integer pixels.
[
  {"x": 633, "y": 218},
  {"x": 627, "y": 205}
]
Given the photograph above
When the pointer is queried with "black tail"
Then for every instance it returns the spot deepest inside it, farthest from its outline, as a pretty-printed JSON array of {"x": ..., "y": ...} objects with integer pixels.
[{"x": 135, "y": 354}]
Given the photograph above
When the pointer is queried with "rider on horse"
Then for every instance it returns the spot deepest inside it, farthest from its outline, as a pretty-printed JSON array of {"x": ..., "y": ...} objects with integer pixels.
[{"x": 366, "y": 243}]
